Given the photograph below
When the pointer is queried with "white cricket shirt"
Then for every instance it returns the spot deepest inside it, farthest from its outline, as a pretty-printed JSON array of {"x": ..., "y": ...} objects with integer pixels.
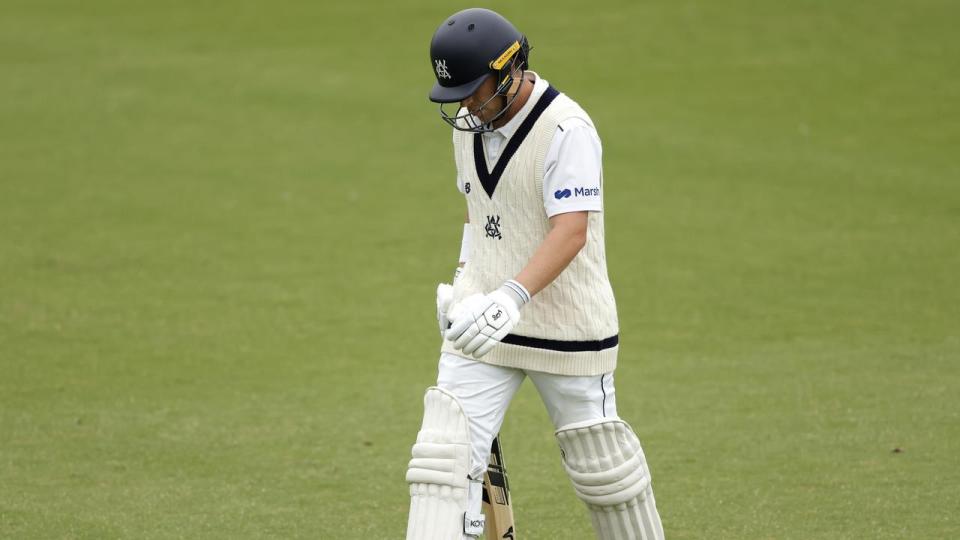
[{"x": 573, "y": 171}]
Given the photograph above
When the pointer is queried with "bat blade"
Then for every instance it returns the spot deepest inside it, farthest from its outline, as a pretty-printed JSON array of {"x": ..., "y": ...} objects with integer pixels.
[{"x": 497, "y": 505}]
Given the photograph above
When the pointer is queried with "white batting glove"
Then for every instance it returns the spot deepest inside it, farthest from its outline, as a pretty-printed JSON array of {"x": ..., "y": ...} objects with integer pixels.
[
  {"x": 480, "y": 321},
  {"x": 444, "y": 299}
]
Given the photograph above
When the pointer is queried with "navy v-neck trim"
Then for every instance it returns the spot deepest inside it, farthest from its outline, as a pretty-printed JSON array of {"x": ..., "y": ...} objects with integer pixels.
[{"x": 489, "y": 180}]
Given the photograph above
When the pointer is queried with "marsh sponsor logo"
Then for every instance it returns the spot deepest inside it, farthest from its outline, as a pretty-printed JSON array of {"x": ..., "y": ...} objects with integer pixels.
[{"x": 577, "y": 192}]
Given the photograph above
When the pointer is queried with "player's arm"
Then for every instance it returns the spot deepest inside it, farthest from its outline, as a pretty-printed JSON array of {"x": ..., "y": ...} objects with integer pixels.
[
  {"x": 567, "y": 236},
  {"x": 445, "y": 290},
  {"x": 573, "y": 164}
]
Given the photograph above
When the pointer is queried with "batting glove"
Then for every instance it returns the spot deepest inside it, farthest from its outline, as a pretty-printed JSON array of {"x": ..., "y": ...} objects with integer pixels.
[
  {"x": 444, "y": 299},
  {"x": 480, "y": 321}
]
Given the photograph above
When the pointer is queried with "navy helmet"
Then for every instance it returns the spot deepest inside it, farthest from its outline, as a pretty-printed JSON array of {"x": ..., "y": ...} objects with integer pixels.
[{"x": 468, "y": 48}]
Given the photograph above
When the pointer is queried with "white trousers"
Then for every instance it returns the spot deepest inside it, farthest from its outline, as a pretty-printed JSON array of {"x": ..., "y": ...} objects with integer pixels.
[{"x": 485, "y": 392}]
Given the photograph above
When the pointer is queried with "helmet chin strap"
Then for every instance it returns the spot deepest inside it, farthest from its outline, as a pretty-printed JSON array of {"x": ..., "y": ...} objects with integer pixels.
[{"x": 516, "y": 83}]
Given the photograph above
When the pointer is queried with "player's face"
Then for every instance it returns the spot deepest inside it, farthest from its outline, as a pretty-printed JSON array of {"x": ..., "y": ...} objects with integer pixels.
[{"x": 475, "y": 103}]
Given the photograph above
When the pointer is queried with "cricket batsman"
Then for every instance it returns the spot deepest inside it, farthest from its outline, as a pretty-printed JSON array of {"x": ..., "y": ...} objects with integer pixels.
[{"x": 531, "y": 297}]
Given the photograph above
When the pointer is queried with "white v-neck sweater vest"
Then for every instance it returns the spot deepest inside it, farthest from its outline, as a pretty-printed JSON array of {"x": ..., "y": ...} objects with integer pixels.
[{"x": 570, "y": 327}]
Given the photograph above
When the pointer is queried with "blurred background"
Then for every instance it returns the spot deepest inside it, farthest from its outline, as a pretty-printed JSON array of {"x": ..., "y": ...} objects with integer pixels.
[{"x": 222, "y": 225}]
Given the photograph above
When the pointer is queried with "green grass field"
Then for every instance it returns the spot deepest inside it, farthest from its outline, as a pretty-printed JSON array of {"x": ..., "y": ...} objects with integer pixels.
[{"x": 222, "y": 224}]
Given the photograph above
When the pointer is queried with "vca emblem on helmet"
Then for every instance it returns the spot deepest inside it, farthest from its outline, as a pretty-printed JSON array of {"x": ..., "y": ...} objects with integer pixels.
[
  {"x": 442, "y": 72},
  {"x": 478, "y": 44}
]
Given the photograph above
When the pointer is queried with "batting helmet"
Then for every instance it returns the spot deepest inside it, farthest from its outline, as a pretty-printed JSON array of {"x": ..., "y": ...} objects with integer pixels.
[{"x": 468, "y": 48}]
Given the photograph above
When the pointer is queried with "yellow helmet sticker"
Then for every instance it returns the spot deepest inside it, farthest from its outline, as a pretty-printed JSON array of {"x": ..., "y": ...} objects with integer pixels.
[{"x": 505, "y": 57}]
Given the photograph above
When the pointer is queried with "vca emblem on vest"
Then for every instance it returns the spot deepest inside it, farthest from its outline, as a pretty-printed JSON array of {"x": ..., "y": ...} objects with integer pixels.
[{"x": 493, "y": 227}]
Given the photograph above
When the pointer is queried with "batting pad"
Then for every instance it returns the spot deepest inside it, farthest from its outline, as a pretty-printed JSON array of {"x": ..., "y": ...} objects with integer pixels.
[
  {"x": 438, "y": 472},
  {"x": 609, "y": 473}
]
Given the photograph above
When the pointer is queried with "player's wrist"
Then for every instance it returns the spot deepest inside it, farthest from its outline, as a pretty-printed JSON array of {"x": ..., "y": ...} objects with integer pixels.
[{"x": 516, "y": 292}]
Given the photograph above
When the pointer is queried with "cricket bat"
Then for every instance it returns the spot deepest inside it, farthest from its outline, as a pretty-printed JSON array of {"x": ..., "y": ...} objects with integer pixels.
[{"x": 496, "y": 497}]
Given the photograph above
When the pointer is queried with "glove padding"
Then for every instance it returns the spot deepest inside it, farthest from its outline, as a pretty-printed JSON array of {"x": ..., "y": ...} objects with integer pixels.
[
  {"x": 444, "y": 299},
  {"x": 480, "y": 321}
]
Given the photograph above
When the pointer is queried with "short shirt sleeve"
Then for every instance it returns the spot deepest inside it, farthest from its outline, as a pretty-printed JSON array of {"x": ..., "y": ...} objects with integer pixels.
[{"x": 573, "y": 171}]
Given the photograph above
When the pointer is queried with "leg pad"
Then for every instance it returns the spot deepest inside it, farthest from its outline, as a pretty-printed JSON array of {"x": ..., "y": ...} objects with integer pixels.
[
  {"x": 438, "y": 472},
  {"x": 609, "y": 473}
]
